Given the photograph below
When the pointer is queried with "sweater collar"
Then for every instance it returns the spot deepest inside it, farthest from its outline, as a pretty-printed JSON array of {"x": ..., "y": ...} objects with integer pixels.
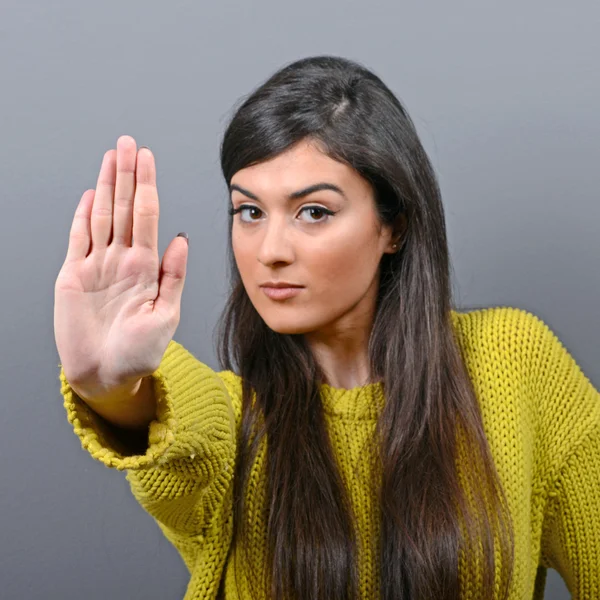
[{"x": 361, "y": 402}]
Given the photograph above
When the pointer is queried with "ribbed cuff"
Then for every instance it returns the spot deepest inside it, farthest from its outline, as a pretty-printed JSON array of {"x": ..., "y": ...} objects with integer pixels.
[{"x": 117, "y": 447}]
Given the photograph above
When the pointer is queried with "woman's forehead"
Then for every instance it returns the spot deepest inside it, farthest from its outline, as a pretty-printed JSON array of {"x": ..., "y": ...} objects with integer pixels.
[{"x": 295, "y": 169}]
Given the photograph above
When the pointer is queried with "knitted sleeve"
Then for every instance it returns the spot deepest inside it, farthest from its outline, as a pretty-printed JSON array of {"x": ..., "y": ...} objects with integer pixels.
[
  {"x": 181, "y": 473},
  {"x": 570, "y": 429}
]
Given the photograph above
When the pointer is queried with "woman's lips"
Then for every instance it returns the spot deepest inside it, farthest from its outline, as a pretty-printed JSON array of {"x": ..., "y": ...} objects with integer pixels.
[{"x": 281, "y": 293}]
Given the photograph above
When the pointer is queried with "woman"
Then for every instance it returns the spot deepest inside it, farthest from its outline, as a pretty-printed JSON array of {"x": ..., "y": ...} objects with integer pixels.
[{"x": 414, "y": 451}]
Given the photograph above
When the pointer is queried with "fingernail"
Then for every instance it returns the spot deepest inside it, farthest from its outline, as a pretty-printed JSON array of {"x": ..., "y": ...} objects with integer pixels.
[
  {"x": 183, "y": 234},
  {"x": 144, "y": 147}
]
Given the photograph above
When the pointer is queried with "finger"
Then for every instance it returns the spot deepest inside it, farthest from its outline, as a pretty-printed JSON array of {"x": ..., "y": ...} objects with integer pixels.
[
  {"x": 145, "y": 203},
  {"x": 172, "y": 278},
  {"x": 124, "y": 190},
  {"x": 80, "y": 234},
  {"x": 102, "y": 209}
]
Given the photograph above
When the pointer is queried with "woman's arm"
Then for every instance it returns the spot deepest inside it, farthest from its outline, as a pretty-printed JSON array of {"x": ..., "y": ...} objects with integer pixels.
[
  {"x": 181, "y": 468},
  {"x": 569, "y": 409},
  {"x": 571, "y": 531}
]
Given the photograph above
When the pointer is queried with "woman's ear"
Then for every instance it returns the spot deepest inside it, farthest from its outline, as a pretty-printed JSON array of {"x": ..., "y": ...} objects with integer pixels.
[{"x": 398, "y": 231}]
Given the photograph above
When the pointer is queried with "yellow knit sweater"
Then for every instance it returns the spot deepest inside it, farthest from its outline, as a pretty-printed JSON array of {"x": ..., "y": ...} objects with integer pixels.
[{"x": 541, "y": 415}]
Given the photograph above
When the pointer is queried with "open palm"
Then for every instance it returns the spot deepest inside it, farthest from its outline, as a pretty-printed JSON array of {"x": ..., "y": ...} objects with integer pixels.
[{"x": 116, "y": 308}]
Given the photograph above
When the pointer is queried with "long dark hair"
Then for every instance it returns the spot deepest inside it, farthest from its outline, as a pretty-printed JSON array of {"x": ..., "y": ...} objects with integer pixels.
[{"x": 428, "y": 526}]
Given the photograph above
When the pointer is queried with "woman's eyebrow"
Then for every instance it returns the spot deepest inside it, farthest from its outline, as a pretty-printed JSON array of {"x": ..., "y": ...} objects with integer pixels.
[{"x": 294, "y": 195}]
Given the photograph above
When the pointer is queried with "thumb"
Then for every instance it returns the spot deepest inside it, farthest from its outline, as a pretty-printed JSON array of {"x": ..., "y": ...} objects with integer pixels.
[{"x": 172, "y": 276}]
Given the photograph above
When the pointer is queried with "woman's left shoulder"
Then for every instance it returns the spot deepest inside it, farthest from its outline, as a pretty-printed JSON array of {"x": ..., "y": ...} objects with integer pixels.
[
  {"x": 504, "y": 335},
  {"x": 515, "y": 349}
]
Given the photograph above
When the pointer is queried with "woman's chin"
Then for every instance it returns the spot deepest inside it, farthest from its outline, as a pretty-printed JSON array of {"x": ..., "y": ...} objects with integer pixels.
[{"x": 288, "y": 326}]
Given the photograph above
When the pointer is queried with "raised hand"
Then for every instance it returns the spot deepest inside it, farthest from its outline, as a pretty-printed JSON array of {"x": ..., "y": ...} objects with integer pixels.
[{"x": 116, "y": 309}]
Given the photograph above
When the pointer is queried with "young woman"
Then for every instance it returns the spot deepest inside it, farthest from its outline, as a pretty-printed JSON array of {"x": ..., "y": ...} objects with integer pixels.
[{"x": 364, "y": 438}]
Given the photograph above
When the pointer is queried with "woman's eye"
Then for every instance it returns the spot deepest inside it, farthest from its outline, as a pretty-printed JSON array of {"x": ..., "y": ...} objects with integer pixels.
[
  {"x": 234, "y": 211},
  {"x": 250, "y": 209},
  {"x": 317, "y": 212}
]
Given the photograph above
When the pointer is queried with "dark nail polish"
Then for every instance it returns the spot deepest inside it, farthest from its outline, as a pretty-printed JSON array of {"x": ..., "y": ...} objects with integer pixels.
[{"x": 183, "y": 234}]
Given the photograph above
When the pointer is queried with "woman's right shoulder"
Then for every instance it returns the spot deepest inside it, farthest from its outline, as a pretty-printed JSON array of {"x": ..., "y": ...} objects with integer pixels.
[{"x": 177, "y": 355}]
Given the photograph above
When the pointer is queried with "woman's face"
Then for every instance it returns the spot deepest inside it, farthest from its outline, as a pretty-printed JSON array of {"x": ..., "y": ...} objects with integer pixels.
[{"x": 335, "y": 258}]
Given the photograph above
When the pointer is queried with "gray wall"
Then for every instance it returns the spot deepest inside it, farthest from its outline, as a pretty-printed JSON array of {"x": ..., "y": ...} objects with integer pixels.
[{"x": 505, "y": 95}]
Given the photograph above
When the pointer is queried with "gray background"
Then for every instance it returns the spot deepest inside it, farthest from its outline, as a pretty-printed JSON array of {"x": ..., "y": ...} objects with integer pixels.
[{"x": 505, "y": 96}]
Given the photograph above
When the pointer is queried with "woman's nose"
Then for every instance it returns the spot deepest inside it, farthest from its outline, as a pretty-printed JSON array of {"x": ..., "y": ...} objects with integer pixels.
[{"x": 275, "y": 245}]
